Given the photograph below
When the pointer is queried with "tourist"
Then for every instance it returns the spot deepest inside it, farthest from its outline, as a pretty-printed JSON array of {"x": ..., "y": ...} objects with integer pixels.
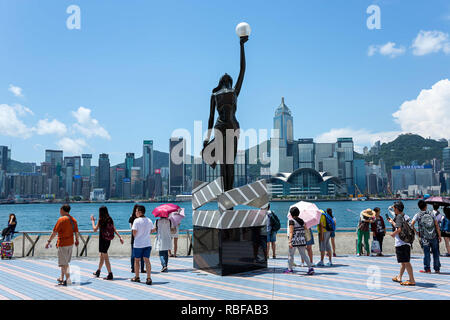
[
  {"x": 365, "y": 219},
  {"x": 402, "y": 248},
  {"x": 379, "y": 229},
  {"x": 66, "y": 227},
  {"x": 445, "y": 229},
  {"x": 333, "y": 233},
  {"x": 325, "y": 227},
  {"x": 130, "y": 221},
  {"x": 8, "y": 232},
  {"x": 430, "y": 236},
  {"x": 273, "y": 225},
  {"x": 107, "y": 231},
  {"x": 174, "y": 236},
  {"x": 163, "y": 241},
  {"x": 142, "y": 247},
  {"x": 297, "y": 240}
]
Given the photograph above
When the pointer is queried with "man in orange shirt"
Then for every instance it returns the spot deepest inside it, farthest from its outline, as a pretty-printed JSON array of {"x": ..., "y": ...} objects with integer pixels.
[{"x": 65, "y": 228}]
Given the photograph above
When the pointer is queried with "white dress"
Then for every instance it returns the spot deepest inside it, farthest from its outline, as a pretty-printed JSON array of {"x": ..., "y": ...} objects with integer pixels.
[{"x": 163, "y": 239}]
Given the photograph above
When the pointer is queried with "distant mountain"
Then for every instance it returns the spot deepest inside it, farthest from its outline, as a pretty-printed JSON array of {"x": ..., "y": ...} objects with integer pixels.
[
  {"x": 406, "y": 149},
  {"x": 18, "y": 167},
  {"x": 161, "y": 159}
]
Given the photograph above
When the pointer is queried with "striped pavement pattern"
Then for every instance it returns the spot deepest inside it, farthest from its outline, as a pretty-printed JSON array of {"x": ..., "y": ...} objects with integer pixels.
[
  {"x": 350, "y": 278},
  {"x": 230, "y": 219}
]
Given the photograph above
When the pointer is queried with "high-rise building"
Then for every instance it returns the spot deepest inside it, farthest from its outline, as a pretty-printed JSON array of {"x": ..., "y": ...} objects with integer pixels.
[
  {"x": 359, "y": 174},
  {"x": 4, "y": 158},
  {"x": 55, "y": 157},
  {"x": 282, "y": 145},
  {"x": 120, "y": 175},
  {"x": 306, "y": 153},
  {"x": 86, "y": 168},
  {"x": 446, "y": 159},
  {"x": 104, "y": 174},
  {"x": 344, "y": 150},
  {"x": 129, "y": 163},
  {"x": 147, "y": 159},
  {"x": 136, "y": 182},
  {"x": 177, "y": 149},
  {"x": 405, "y": 176}
]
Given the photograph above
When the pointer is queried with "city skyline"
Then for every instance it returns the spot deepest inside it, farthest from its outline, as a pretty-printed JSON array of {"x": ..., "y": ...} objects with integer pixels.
[{"x": 154, "y": 76}]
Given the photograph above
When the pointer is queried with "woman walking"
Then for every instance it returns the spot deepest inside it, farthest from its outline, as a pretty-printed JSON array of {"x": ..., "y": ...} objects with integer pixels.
[
  {"x": 163, "y": 241},
  {"x": 333, "y": 233},
  {"x": 297, "y": 240},
  {"x": 379, "y": 229},
  {"x": 107, "y": 231},
  {"x": 130, "y": 221}
]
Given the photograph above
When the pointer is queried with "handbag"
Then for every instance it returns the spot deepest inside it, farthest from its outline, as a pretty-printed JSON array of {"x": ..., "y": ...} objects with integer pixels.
[{"x": 375, "y": 246}]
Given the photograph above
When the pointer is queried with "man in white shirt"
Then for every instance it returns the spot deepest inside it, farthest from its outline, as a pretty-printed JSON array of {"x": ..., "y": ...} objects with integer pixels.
[{"x": 142, "y": 228}]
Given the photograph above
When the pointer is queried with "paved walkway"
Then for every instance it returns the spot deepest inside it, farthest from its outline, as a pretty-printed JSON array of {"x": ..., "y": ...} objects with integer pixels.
[{"x": 350, "y": 278}]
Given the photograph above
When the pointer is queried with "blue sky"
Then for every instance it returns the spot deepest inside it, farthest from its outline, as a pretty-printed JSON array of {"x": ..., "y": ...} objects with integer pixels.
[{"x": 140, "y": 69}]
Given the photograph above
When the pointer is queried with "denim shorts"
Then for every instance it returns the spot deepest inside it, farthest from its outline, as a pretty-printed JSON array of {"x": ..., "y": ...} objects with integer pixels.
[
  {"x": 272, "y": 237},
  {"x": 142, "y": 252}
]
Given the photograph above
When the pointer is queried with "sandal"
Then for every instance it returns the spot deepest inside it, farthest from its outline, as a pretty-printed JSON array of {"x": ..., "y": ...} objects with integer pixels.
[
  {"x": 408, "y": 283},
  {"x": 136, "y": 279},
  {"x": 149, "y": 281},
  {"x": 395, "y": 279}
]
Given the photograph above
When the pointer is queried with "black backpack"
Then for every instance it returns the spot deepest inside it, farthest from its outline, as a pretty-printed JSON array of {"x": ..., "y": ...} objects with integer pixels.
[
  {"x": 407, "y": 234},
  {"x": 274, "y": 222}
]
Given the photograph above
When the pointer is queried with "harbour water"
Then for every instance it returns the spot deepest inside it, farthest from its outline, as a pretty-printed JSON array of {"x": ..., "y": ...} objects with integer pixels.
[{"x": 42, "y": 217}]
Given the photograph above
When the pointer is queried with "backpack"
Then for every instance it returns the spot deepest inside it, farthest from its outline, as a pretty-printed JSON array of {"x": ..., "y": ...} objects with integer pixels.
[
  {"x": 274, "y": 222},
  {"x": 330, "y": 225},
  {"x": 427, "y": 228},
  {"x": 445, "y": 225},
  {"x": 108, "y": 231},
  {"x": 407, "y": 234},
  {"x": 299, "y": 236}
]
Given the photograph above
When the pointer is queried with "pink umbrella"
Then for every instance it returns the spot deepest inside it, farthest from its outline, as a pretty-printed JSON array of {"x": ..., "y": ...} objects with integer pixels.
[
  {"x": 309, "y": 213},
  {"x": 164, "y": 210},
  {"x": 176, "y": 217}
]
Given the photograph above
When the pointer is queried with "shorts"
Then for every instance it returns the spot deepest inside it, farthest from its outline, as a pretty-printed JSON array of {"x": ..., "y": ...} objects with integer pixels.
[
  {"x": 103, "y": 245},
  {"x": 325, "y": 244},
  {"x": 139, "y": 253},
  {"x": 272, "y": 237},
  {"x": 333, "y": 234},
  {"x": 403, "y": 253},
  {"x": 445, "y": 234},
  {"x": 64, "y": 255}
]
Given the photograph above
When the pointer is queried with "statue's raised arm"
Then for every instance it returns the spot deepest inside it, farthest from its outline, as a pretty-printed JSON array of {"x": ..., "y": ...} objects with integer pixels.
[{"x": 238, "y": 86}]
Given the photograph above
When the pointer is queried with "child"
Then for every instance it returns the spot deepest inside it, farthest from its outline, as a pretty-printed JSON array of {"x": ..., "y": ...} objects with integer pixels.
[{"x": 297, "y": 240}]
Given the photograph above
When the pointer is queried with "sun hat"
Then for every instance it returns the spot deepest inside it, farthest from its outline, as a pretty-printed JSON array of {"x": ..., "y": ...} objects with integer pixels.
[{"x": 368, "y": 213}]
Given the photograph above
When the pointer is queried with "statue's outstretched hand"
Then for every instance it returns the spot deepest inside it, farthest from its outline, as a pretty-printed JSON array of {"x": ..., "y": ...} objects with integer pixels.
[
  {"x": 244, "y": 39},
  {"x": 205, "y": 143}
]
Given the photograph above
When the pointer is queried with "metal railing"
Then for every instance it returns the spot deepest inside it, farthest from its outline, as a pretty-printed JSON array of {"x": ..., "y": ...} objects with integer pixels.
[{"x": 85, "y": 237}]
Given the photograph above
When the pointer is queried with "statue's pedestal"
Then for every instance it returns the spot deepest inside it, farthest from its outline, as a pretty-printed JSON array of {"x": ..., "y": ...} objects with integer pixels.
[{"x": 229, "y": 251}]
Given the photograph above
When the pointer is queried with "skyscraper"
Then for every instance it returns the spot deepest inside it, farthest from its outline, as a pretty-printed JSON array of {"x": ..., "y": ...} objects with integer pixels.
[
  {"x": 3, "y": 158},
  {"x": 129, "y": 163},
  {"x": 86, "y": 169},
  {"x": 306, "y": 153},
  {"x": 147, "y": 159},
  {"x": 177, "y": 149},
  {"x": 103, "y": 174},
  {"x": 282, "y": 146},
  {"x": 55, "y": 157}
]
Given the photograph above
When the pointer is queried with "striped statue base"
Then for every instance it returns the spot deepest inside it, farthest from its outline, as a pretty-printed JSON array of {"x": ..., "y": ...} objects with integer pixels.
[{"x": 228, "y": 241}]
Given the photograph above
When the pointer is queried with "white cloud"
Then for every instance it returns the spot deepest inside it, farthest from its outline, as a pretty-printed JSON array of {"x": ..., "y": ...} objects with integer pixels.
[
  {"x": 73, "y": 146},
  {"x": 11, "y": 125},
  {"x": 428, "y": 114},
  {"x": 361, "y": 137},
  {"x": 87, "y": 125},
  {"x": 51, "y": 127},
  {"x": 21, "y": 110},
  {"x": 387, "y": 49},
  {"x": 428, "y": 42},
  {"x": 17, "y": 91}
]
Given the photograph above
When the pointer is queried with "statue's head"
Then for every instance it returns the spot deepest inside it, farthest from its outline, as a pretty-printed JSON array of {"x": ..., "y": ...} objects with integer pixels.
[{"x": 225, "y": 82}]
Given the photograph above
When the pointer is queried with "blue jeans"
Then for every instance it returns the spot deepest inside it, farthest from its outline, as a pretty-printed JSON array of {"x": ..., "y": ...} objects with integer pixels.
[
  {"x": 132, "y": 259},
  {"x": 433, "y": 246},
  {"x": 164, "y": 257}
]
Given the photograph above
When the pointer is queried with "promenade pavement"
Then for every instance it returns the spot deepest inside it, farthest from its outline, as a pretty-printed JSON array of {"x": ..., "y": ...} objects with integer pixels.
[{"x": 351, "y": 277}]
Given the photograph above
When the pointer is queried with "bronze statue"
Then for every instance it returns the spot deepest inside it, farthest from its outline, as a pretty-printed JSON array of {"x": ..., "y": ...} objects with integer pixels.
[{"x": 224, "y": 98}]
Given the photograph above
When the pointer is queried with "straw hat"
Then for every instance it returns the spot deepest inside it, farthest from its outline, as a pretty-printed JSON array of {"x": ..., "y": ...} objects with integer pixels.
[{"x": 368, "y": 213}]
